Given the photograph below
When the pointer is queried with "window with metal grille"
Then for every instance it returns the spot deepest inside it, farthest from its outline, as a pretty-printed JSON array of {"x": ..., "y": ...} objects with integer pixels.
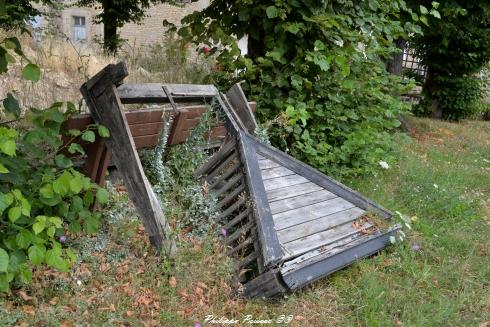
[{"x": 79, "y": 29}]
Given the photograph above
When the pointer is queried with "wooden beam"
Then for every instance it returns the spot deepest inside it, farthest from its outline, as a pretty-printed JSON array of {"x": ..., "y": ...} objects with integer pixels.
[
  {"x": 106, "y": 108},
  {"x": 271, "y": 249},
  {"x": 240, "y": 105},
  {"x": 154, "y": 93}
]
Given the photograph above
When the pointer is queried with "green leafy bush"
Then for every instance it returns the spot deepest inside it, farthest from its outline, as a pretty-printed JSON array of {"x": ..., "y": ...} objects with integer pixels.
[
  {"x": 42, "y": 195},
  {"x": 317, "y": 68}
]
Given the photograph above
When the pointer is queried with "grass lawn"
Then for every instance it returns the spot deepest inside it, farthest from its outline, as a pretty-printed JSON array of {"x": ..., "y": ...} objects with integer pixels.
[{"x": 440, "y": 276}]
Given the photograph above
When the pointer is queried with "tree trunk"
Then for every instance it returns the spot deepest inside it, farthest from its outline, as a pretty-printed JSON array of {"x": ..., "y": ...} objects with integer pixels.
[
  {"x": 430, "y": 87},
  {"x": 395, "y": 64},
  {"x": 111, "y": 38}
]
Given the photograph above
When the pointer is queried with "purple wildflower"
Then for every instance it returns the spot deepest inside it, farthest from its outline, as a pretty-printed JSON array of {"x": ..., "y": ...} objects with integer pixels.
[
  {"x": 223, "y": 232},
  {"x": 416, "y": 247},
  {"x": 62, "y": 239},
  {"x": 197, "y": 324}
]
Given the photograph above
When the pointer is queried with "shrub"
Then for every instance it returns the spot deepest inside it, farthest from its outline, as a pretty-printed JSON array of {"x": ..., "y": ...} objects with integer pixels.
[
  {"x": 318, "y": 68},
  {"x": 42, "y": 195}
]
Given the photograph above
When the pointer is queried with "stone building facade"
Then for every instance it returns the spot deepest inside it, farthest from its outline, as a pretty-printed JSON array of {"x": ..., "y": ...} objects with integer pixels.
[{"x": 76, "y": 23}]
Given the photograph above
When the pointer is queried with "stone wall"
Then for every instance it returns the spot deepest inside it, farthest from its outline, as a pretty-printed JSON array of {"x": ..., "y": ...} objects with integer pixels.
[{"x": 150, "y": 30}]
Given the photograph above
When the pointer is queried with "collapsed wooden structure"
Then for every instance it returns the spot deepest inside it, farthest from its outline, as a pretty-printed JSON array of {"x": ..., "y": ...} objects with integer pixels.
[{"x": 286, "y": 223}]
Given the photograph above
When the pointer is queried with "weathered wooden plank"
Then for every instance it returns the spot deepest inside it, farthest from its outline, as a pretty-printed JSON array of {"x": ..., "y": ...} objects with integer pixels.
[
  {"x": 232, "y": 208},
  {"x": 241, "y": 107},
  {"x": 233, "y": 123},
  {"x": 231, "y": 183},
  {"x": 270, "y": 246},
  {"x": 305, "y": 272},
  {"x": 100, "y": 95},
  {"x": 231, "y": 196},
  {"x": 143, "y": 116},
  {"x": 146, "y": 141},
  {"x": 233, "y": 157},
  {"x": 300, "y": 201},
  {"x": 291, "y": 191},
  {"x": 239, "y": 247},
  {"x": 242, "y": 215},
  {"x": 248, "y": 260},
  {"x": 317, "y": 225},
  {"x": 215, "y": 160},
  {"x": 239, "y": 232},
  {"x": 301, "y": 215},
  {"x": 267, "y": 284},
  {"x": 275, "y": 172},
  {"x": 225, "y": 175},
  {"x": 280, "y": 182},
  {"x": 266, "y": 164},
  {"x": 154, "y": 93},
  {"x": 318, "y": 178},
  {"x": 146, "y": 129},
  {"x": 315, "y": 241}
]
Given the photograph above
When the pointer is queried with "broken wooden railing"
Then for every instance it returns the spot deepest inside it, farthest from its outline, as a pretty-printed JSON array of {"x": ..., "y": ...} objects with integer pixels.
[{"x": 286, "y": 223}]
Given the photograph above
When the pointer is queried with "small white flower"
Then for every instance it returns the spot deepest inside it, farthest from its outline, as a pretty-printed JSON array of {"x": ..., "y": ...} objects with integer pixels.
[
  {"x": 384, "y": 164},
  {"x": 79, "y": 282},
  {"x": 340, "y": 43},
  {"x": 436, "y": 186}
]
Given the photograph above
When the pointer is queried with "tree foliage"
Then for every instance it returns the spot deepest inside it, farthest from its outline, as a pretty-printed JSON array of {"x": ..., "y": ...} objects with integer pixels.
[
  {"x": 15, "y": 13},
  {"x": 454, "y": 48},
  {"x": 115, "y": 13},
  {"x": 316, "y": 69}
]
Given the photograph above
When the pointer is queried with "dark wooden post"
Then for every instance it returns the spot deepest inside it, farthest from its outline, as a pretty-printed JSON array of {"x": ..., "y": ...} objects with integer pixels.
[{"x": 101, "y": 96}]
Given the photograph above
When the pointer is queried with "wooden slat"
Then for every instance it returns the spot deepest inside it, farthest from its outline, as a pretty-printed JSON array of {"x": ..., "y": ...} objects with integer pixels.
[
  {"x": 275, "y": 172},
  {"x": 248, "y": 260},
  {"x": 300, "y": 201},
  {"x": 239, "y": 232},
  {"x": 147, "y": 141},
  {"x": 280, "y": 182},
  {"x": 241, "y": 107},
  {"x": 231, "y": 183},
  {"x": 223, "y": 166},
  {"x": 215, "y": 160},
  {"x": 242, "y": 215},
  {"x": 318, "y": 240},
  {"x": 154, "y": 93},
  {"x": 232, "y": 208},
  {"x": 231, "y": 196},
  {"x": 100, "y": 95},
  {"x": 266, "y": 164},
  {"x": 290, "y": 191},
  {"x": 301, "y": 215},
  {"x": 318, "y": 225},
  {"x": 146, "y": 129},
  {"x": 143, "y": 116},
  {"x": 225, "y": 175},
  {"x": 239, "y": 247}
]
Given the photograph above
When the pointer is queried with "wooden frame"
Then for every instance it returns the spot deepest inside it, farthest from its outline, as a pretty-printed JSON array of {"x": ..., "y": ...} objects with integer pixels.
[{"x": 286, "y": 262}]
